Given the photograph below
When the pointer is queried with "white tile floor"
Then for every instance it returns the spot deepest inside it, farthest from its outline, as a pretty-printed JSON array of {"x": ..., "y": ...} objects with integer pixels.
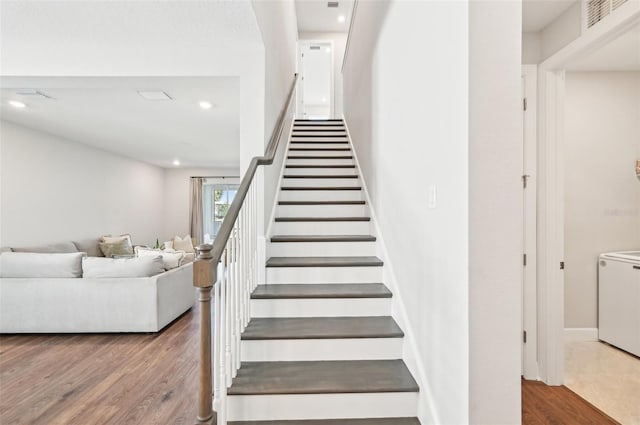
[{"x": 605, "y": 376}]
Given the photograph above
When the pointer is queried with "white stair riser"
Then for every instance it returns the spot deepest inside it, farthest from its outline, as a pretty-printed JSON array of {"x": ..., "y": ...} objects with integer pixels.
[
  {"x": 323, "y": 171},
  {"x": 319, "y": 145},
  {"x": 318, "y": 152},
  {"x": 321, "y": 249},
  {"x": 277, "y": 275},
  {"x": 322, "y": 211},
  {"x": 301, "y": 132},
  {"x": 284, "y": 350},
  {"x": 321, "y": 406},
  {"x": 319, "y": 139},
  {"x": 321, "y": 195},
  {"x": 317, "y": 127},
  {"x": 321, "y": 307},
  {"x": 321, "y": 161},
  {"x": 322, "y": 228},
  {"x": 310, "y": 182}
]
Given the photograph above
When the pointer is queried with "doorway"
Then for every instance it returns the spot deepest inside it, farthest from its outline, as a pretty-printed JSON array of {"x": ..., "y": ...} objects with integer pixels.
[
  {"x": 583, "y": 200},
  {"x": 315, "y": 100}
]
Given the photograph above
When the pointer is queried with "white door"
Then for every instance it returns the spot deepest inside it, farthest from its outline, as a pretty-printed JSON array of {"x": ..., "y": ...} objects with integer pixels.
[
  {"x": 316, "y": 65},
  {"x": 529, "y": 245}
]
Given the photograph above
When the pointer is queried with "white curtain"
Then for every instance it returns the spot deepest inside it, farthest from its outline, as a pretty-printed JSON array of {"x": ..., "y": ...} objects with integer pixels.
[{"x": 195, "y": 210}]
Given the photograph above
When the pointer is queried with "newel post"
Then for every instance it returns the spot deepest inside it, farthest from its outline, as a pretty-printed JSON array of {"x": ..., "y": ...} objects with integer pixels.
[{"x": 204, "y": 276}]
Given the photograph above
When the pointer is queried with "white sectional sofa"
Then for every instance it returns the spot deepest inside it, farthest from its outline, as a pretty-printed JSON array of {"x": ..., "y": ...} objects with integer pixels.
[{"x": 67, "y": 304}]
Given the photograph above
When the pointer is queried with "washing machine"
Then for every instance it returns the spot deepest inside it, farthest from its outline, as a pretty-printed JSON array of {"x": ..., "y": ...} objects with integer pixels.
[{"x": 619, "y": 300}]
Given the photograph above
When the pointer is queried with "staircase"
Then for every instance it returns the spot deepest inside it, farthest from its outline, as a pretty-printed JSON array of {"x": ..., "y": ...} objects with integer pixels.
[{"x": 320, "y": 346}]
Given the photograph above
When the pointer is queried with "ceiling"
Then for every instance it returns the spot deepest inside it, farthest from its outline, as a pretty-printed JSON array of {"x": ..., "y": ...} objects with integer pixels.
[
  {"x": 537, "y": 14},
  {"x": 109, "y": 114},
  {"x": 621, "y": 54},
  {"x": 315, "y": 16}
]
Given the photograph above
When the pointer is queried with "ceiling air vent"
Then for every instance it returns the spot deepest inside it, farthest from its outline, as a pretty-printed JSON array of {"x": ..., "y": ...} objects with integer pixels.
[
  {"x": 314, "y": 47},
  {"x": 617, "y": 3},
  {"x": 332, "y": 4},
  {"x": 597, "y": 10}
]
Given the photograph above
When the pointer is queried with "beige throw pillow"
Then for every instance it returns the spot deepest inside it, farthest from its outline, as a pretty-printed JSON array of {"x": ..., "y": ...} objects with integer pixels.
[
  {"x": 183, "y": 244},
  {"x": 170, "y": 259},
  {"x": 121, "y": 247}
]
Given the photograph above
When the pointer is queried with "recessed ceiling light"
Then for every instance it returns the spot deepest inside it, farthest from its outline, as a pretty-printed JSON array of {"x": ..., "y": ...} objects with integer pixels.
[
  {"x": 154, "y": 95},
  {"x": 17, "y": 104},
  {"x": 205, "y": 105},
  {"x": 176, "y": 162},
  {"x": 341, "y": 18},
  {"x": 324, "y": 100},
  {"x": 328, "y": 50}
]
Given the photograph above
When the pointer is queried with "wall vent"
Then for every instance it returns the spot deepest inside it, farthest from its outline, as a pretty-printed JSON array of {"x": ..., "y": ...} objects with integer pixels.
[
  {"x": 617, "y": 3},
  {"x": 314, "y": 47},
  {"x": 597, "y": 10},
  {"x": 332, "y": 4}
]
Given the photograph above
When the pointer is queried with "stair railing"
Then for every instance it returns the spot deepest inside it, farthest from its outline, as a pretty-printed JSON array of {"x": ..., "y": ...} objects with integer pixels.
[{"x": 229, "y": 268}]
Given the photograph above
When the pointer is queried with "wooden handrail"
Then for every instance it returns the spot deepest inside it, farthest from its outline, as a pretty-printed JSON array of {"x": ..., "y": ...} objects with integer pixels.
[
  {"x": 346, "y": 48},
  {"x": 205, "y": 268}
]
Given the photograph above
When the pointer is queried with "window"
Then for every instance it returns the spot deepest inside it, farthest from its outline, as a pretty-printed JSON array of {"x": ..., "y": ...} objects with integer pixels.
[{"x": 216, "y": 199}]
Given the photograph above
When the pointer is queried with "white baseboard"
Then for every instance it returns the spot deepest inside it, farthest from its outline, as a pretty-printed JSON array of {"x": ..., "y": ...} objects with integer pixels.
[{"x": 580, "y": 334}]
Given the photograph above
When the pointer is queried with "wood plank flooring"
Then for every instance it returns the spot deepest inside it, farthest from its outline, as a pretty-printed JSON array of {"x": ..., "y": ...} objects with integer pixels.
[
  {"x": 115, "y": 379},
  {"x": 101, "y": 379},
  {"x": 545, "y": 405}
]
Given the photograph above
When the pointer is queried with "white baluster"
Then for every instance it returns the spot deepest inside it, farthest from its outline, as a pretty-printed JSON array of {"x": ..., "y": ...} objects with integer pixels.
[{"x": 222, "y": 386}]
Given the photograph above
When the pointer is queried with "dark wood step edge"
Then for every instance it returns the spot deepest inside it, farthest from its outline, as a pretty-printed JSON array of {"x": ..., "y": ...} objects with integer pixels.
[
  {"x": 321, "y": 202},
  {"x": 322, "y": 238},
  {"x": 319, "y": 219}
]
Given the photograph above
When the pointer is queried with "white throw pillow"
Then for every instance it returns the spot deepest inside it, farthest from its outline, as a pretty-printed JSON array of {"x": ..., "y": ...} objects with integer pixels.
[
  {"x": 183, "y": 244},
  {"x": 170, "y": 259},
  {"x": 38, "y": 265},
  {"x": 168, "y": 245},
  {"x": 98, "y": 267}
]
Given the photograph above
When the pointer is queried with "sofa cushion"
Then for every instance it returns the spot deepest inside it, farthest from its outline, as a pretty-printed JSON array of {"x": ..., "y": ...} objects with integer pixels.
[
  {"x": 38, "y": 265},
  {"x": 183, "y": 244},
  {"x": 96, "y": 267},
  {"x": 90, "y": 246},
  {"x": 56, "y": 248},
  {"x": 170, "y": 259}
]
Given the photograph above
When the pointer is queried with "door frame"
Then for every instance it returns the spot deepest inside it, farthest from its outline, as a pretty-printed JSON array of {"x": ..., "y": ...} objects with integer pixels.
[
  {"x": 530, "y": 182},
  {"x": 550, "y": 222},
  {"x": 300, "y": 93}
]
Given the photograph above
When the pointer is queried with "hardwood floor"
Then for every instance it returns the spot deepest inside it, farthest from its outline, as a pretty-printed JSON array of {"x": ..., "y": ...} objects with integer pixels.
[
  {"x": 101, "y": 379},
  {"x": 119, "y": 379},
  {"x": 545, "y": 405}
]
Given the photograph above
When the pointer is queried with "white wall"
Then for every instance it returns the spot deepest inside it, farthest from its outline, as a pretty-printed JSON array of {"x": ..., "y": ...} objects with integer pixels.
[
  {"x": 54, "y": 190},
  {"x": 407, "y": 114},
  {"x": 407, "y": 99},
  {"x": 279, "y": 29},
  {"x": 177, "y": 195},
  {"x": 531, "y": 48},
  {"x": 602, "y": 193},
  {"x": 495, "y": 212},
  {"x": 339, "y": 43},
  {"x": 562, "y": 31}
]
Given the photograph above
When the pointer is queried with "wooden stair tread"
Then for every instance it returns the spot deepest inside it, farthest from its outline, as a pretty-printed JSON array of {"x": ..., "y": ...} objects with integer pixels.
[
  {"x": 321, "y": 188},
  {"x": 324, "y": 262},
  {"x": 327, "y": 129},
  {"x": 319, "y": 157},
  {"x": 321, "y": 328},
  {"x": 321, "y": 291},
  {"x": 321, "y": 202},
  {"x": 317, "y": 135},
  {"x": 319, "y": 219},
  {"x": 323, "y": 238},
  {"x": 323, "y": 377},
  {"x": 367, "y": 421},
  {"x": 320, "y": 166},
  {"x": 310, "y": 142},
  {"x": 319, "y": 149},
  {"x": 320, "y": 176}
]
